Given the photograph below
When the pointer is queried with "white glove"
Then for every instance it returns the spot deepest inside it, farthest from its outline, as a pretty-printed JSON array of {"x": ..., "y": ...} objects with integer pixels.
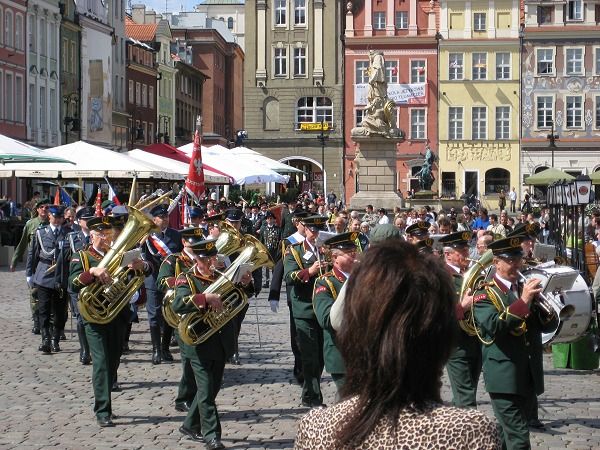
[
  {"x": 29, "y": 281},
  {"x": 274, "y": 305}
]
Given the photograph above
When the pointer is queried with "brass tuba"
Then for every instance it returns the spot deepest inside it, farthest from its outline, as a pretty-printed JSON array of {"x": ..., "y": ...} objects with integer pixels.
[
  {"x": 198, "y": 326},
  {"x": 229, "y": 241},
  {"x": 472, "y": 279},
  {"x": 99, "y": 303}
]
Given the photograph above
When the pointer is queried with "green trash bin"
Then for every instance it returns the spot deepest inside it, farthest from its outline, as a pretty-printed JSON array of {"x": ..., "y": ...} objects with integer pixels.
[{"x": 577, "y": 355}]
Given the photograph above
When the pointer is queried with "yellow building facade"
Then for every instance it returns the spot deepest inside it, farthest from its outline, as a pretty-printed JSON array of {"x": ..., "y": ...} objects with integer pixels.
[{"x": 479, "y": 111}]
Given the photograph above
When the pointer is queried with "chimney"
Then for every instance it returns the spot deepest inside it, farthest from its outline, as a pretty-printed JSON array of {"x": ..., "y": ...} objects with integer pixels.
[
  {"x": 137, "y": 13},
  {"x": 150, "y": 16}
]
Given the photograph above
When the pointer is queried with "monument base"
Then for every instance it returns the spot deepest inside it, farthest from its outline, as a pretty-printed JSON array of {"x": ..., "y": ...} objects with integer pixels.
[
  {"x": 424, "y": 195},
  {"x": 387, "y": 200}
]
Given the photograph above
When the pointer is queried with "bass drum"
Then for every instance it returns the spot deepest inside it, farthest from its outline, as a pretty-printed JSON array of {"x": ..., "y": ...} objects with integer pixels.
[{"x": 567, "y": 286}]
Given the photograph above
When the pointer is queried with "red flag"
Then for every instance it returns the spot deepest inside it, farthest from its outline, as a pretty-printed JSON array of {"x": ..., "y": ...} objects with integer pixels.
[
  {"x": 194, "y": 183},
  {"x": 99, "y": 203},
  {"x": 112, "y": 194},
  {"x": 57, "y": 196}
]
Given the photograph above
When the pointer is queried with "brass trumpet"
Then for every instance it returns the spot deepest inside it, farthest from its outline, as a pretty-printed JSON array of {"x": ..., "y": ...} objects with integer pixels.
[{"x": 550, "y": 308}]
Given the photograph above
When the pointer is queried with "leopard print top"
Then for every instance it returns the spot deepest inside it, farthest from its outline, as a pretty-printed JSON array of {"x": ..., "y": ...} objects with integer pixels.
[{"x": 439, "y": 427}]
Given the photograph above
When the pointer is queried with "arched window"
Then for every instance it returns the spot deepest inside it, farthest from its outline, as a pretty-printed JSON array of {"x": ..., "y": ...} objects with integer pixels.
[
  {"x": 271, "y": 114},
  {"x": 314, "y": 110},
  {"x": 230, "y": 23},
  {"x": 496, "y": 180}
]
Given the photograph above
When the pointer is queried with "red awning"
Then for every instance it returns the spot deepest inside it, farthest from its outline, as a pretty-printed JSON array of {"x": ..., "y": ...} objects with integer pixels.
[{"x": 168, "y": 151}]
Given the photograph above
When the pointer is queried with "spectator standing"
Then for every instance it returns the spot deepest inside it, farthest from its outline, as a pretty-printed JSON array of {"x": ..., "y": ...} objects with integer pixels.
[
  {"x": 502, "y": 200},
  {"x": 513, "y": 200}
]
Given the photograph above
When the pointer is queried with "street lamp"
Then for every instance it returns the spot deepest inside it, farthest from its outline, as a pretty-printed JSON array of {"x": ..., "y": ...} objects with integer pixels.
[
  {"x": 322, "y": 137},
  {"x": 552, "y": 138},
  {"x": 71, "y": 114}
]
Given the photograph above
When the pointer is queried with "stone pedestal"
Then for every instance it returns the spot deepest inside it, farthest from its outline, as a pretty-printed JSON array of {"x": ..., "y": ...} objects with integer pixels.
[{"x": 376, "y": 162}]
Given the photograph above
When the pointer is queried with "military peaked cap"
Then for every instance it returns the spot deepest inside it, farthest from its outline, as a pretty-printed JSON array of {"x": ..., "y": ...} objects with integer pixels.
[
  {"x": 192, "y": 235},
  {"x": 205, "y": 248},
  {"x": 458, "y": 239},
  {"x": 425, "y": 245},
  {"x": 527, "y": 230},
  {"x": 418, "y": 228},
  {"x": 86, "y": 213},
  {"x": 196, "y": 212},
  {"x": 56, "y": 210},
  {"x": 42, "y": 202},
  {"x": 160, "y": 210},
  {"x": 101, "y": 223},
  {"x": 507, "y": 247},
  {"x": 343, "y": 241},
  {"x": 316, "y": 222},
  {"x": 234, "y": 214}
]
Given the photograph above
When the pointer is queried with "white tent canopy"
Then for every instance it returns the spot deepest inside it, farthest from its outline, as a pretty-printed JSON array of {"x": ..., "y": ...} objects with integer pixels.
[
  {"x": 176, "y": 167},
  {"x": 90, "y": 161},
  {"x": 17, "y": 152},
  {"x": 243, "y": 171},
  {"x": 252, "y": 155}
]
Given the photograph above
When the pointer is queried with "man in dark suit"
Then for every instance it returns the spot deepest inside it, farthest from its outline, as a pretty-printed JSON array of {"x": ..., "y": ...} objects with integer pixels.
[
  {"x": 158, "y": 246},
  {"x": 47, "y": 270},
  {"x": 510, "y": 327}
]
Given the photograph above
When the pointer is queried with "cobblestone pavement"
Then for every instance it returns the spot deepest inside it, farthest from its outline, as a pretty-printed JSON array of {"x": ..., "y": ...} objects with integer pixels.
[{"x": 46, "y": 401}]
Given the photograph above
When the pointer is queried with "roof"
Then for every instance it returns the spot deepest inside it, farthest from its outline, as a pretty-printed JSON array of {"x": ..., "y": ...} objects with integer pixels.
[
  {"x": 222, "y": 2},
  {"x": 141, "y": 32}
]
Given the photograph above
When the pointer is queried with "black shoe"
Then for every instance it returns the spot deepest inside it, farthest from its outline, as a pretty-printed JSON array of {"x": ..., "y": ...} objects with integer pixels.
[
  {"x": 105, "y": 422},
  {"x": 173, "y": 342},
  {"x": 266, "y": 284},
  {"x": 535, "y": 423},
  {"x": 166, "y": 355},
  {"x": 235, "y": 359},
  {"x": 182, "y": 407},
  {"x": 214, "y": 444},
  {"x": 85, "y": 359},
  {"x": 193, "y": 435},
  {"x": 55, "y": 346},
  {"x": 115, "y": 387},
  {"x": 45, "y": 348},
  {"x": 156, "y": 356},
  {"x": 36, "y": 330},
  {"x": 313, "y": 404},
  {"x": 63, "y": 337}
]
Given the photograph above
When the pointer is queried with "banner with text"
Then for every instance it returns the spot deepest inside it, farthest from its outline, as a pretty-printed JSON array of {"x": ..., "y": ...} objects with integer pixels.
[{"x": 408, "y": 94}]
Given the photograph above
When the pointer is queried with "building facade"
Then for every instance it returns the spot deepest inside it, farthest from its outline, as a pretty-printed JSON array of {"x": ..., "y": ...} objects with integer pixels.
[
  {"x": 120, "y": 118},
  {"x": 406, "y": 33},
  {"x": 70, "y": 79},
  {"x": 43, "y": 59},
  {"x": 479, "y": 98},
  {"x": 561, "y": 86},
  {"x": 189, "y": 83},
  {"x": 231, "y": 12},
  {"x": 293, "y": 86},
  {"x": 13, "y": 68}
]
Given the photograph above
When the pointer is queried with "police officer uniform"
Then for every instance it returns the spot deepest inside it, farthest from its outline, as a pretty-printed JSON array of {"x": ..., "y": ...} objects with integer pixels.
[
  {"x": 297, "y": 261},
  {"x": 512, "y": 349},
  {"x": 158, "y": 245},
  {"x": 46, "y": 271},
  {"x": 325, "y": 294},
  {"x": 80, "y": 240},
  {"x": 464, "y": 364},
  {"x": 173, "y": 266},
  {"x": 208, "y": 358}
]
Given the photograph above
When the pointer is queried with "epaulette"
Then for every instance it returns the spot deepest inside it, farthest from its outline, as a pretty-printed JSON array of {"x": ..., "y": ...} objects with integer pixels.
[
  {"x": 479, "y": 297},
  {"x": 319, "y": 289}
]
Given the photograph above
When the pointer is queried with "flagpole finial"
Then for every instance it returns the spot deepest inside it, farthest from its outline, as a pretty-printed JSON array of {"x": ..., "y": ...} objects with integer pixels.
[{"x": 199, "y": 121}]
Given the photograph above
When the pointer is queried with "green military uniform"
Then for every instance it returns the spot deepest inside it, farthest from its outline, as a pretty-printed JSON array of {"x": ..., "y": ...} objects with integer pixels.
[
  {"x": 512, "y": 351},
  {"x": 326, "y": 291},
  {"x": 105, "y": 341},
  {"x": 297, "y": 261},
  {"x": 174, "y": 265}
]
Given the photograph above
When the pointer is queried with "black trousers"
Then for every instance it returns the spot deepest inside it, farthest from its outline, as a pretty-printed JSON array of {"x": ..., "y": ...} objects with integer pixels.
[{"x": 51, "y": 303}]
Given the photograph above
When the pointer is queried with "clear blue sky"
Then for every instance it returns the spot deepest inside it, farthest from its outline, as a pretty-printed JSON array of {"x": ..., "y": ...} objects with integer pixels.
[{"x": 172, "y": 5}]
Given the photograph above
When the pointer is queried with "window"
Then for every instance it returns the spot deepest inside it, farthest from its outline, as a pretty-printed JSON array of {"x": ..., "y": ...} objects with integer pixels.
[
  {"x": 8, "y": 85},
  {"x": 597, "y": 60},
  {"x": 574, "y": 61},
  {"x": 299, "y": 62},
  {"x": 19, "y": 32},
  {"x": 479, "y": 66},
  {"x": 545, "y": 111},
  {"x": 401, "y": 20},
  {"x": 52, "y": 42},
  {"x": 455, "y": 124},
  {"x": 1, "y": 87},
  {"x": 314, "y": 109},
  {"x": 496, "y": 180},
  {"x": 575, "y": 10},
  {"x": 574, "y": 111},
  {"x": 73, "y": 57},
  {"x": 597, "y": 111},
  {"x": 280, "y": 69},
  {"x": 503, "y": 122},
  {"x": 391, "y": 72},
  {"x": 479, "y": 123},
  {"x": 417, "y": 123},
  {"x": 138, "y": 93},
  {"x": 359, "y": 113},
  {"x": 144, "y": 95},
  {"x": 299, "y": 12},
  {"x": 455, "y": 66},
  {"x": 417, "y": 71},
  {"x": 379, "y": 20},
  {"x": 545, "y": 61},
  {"x": 43, "y": 110},
  {"x": 53, "y": 111},
  {"x": 280, "y": 12},
  {"x": 230, "y": 23},
  {"x": 130, "y": 91},
  {"x": 151, "y": 96},
  {"x": 479, "y": 21},
  {"x": 361, "y": 76},
  {"x": 1, "y": 33},
  {"x": 31, "y": 33},
  {"x": 544, "y": 14},
  {"x": 8, "y": 28},
  {"x": 65, "y": 55},
  {"x": 502, "y": 66},
  {"x": 43, "y": 38}
]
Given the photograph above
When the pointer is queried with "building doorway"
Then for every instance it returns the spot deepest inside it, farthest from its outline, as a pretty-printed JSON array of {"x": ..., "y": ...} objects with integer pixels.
[{"x": 471, "y": 183}]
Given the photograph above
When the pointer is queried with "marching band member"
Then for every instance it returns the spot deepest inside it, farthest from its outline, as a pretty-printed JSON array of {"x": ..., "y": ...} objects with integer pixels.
[
  {"x": 174, "y": 265},
  {"x": 302, "y": 265},
  {"x": 158, "y": 246},
  {"x": 46, "y": 271},
  {"x": 512, "y": 338},
  {"x": 418, "y": 231},
  {"x": 208, "y": 358},
  {"x": 343, "y": 255},
  {"x": 464, "y": 365},
  {"x": 270, "y": 235},
  {"x": 105, "y": 340}
]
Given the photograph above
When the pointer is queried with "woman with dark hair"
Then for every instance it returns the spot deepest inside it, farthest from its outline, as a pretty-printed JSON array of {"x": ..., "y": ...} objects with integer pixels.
[{"x": 395, "y": 349}]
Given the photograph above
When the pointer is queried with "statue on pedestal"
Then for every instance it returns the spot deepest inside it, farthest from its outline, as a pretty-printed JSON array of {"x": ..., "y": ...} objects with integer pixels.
[
  {"x": 378, "y": 116},
  {"x": 425, "y": 175}
]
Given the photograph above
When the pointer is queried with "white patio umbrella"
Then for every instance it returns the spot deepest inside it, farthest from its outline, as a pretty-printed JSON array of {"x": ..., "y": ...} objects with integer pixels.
[
  {"x": 13, "y": 151},
  {"x": 252, "y": 155}
]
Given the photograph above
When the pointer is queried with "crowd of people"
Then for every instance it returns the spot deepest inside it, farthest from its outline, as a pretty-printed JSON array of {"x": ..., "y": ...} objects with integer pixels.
[{"x": 330, "y": 259}]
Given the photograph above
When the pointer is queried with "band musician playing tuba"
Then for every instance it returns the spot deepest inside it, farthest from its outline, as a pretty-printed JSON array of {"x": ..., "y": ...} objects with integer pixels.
[
  {"x": 207, "y": 358},
  {"x": 511, "y": 333},
  {"x": 105, "y": 340}
]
